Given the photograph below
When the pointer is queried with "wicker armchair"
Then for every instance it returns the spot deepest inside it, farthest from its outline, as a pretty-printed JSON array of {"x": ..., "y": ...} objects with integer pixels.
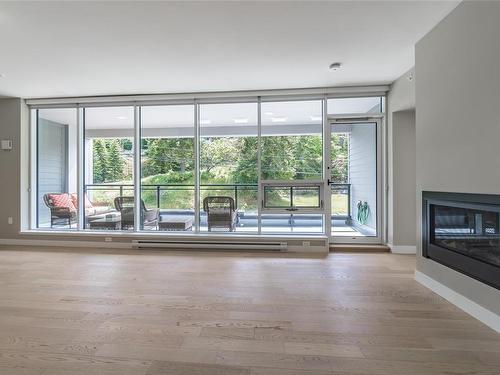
[
  {"x": 60, "y": 215},
  {"x": 125, "y": 205},
  {"x": 221, "y": 212}
]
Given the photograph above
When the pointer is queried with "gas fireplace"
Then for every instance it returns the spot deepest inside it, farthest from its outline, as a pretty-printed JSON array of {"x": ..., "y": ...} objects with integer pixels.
[{"x": 462, "y": 231}]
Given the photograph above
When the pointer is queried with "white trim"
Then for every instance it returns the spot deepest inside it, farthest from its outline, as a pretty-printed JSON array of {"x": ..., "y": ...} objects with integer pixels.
[
  {"x": 259, "y": 166},
  {"x": 72, "y": 244},
  {"x": 377, "y": 120},
  {"x": 403, "y": 249},
  {"x": 32, "y": 188},
  {"x": 137, "y": 168},
  {"x": 80, "y": 160},
  {"x": 197, "y": 179},
  {"x": 482, "y": 314},
  {"x": 347, "y": 91},
  {"x": 327, "y": 173}
]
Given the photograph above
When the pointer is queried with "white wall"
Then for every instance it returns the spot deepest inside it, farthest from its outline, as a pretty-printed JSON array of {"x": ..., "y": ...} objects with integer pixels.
[
  {"x": 401, "y": 139},
  {"x": 458, "y": 121}
]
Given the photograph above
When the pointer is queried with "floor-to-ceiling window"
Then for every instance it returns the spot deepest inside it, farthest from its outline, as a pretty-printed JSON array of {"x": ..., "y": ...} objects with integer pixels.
[
  {"x": 292, "y": 150},
  {"x": 228, "y": 167},
  {"x": 56, "y": 172},
  {"x": 108, "y": 165},
  {"x": 211, "y": 166},
  {"x": 168, "y": 168}
]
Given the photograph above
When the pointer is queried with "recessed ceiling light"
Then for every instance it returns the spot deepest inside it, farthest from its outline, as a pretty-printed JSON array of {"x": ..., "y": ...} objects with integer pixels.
[
  {"x": 315, "y": 118},
  {"x": 240, "y": 120},
  {"x": 279, "y": 119},
  {"x": 121, "y": 117},
  {"x": 335, "y": 66},
  {"x": 205, "y": 122}
]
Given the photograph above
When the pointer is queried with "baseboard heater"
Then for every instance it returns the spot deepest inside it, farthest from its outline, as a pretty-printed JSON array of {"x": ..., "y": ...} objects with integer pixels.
[{"x": 211, "y": 245}]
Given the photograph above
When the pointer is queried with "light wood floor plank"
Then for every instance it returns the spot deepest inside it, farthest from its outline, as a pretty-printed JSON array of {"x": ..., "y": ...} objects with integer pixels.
[{"x": 90, "y": 311}]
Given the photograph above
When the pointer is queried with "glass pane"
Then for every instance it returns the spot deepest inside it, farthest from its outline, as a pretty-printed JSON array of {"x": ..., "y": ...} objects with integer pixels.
[
  {"x": 292, "y": 150},
  {"x": 306, "y": 197},
  {"x": 228, "y": 167},
  {"x": 109, "y": 168},
  {"x": 167, "y": 167},
  {"x": 292, "y": 142},
  {"x": 292, "y": 223},
  {"x": 57, "y": 205},
  {"x": 355, "y": 105},
  {"x": 467, "y": 230},
  {"x": 354, "y": 176},
  {"x": 277, "y": 197}
]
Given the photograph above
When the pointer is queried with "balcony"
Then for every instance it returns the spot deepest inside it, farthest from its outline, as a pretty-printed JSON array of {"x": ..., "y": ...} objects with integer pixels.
[{"x": 177, "y": 201}]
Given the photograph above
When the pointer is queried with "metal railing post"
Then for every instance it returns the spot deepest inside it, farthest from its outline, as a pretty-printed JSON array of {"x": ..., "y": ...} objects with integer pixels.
[
  {"x": 236, "y": 196},
  {"x": 157, "y": 196}
]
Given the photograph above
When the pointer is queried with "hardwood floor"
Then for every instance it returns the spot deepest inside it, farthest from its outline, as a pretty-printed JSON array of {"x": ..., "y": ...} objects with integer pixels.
[{"x": 79, "y": 312}]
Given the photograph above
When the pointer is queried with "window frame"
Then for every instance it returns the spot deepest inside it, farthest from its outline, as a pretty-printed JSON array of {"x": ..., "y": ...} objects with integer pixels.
[{"x": 177, "y": 99}]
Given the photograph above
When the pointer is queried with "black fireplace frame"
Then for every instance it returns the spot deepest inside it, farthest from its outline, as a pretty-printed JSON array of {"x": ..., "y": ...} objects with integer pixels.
[{"x": 472, "y": 267}]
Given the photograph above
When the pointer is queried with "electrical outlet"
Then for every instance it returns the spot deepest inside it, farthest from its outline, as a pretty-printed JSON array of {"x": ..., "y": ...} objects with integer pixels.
[
  {"x": 10, "y": 220},
  {"x": 108, "y": 239},
  {"x": 306, "y": 243}
]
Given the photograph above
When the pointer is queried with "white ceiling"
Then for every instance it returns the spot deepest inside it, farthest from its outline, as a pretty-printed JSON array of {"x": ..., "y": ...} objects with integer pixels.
[{"x": 58, "y": 49}]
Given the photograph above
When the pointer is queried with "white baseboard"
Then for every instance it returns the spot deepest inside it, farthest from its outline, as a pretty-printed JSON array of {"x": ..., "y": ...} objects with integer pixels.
[
  {"x": 94, "y": 244},
  {"x": 396, "y": 249},
  {"x": 485, "y": 316}
]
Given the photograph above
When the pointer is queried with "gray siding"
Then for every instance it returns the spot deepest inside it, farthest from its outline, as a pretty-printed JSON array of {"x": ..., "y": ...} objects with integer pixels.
[{"x": 52, "y": 163}]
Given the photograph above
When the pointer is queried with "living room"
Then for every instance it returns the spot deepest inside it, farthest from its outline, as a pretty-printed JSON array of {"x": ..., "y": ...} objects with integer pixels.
[{"x": 280, "y": 188}]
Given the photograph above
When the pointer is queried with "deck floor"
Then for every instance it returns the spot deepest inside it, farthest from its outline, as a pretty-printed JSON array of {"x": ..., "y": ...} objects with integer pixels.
[{"x": 72, "y": 311}]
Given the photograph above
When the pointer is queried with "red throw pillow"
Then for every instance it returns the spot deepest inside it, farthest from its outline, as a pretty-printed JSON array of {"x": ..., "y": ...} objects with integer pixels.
[
  {"x": 62, "y": 200},
  {"x": 88, "y": 203}
]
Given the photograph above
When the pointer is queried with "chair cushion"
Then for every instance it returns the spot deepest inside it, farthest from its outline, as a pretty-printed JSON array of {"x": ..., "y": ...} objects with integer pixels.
[
  {"x": 62, "y": 200},
  {"x": 88, "y": 203}
]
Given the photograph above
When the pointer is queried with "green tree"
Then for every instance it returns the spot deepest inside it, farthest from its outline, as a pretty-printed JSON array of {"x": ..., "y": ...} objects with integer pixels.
[
  {"x": 277, "y": 157},
  {"x": 100, "y": 168},
  {"x": 340, "y": 157},
  {"x": 115, "y": 162},
  {"x": 165, "y": 155},
  {"x": 246, "y": 165},
  {"x": 308, "y": 157},
  {"x": 218, "y": 157}
]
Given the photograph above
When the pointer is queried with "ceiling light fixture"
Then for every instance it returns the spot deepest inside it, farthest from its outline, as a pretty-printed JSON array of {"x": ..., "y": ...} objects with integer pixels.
[
  {"x": 315, "y": 118},
  {"x": 268, "y": 113},
  {"x": 121, "y": 117},
  {"x": 205, "y": 122},
  {"x": 335, "y": 66},
  {"x": 240, "y": 120},
  {"x": 279, "y": 119}
]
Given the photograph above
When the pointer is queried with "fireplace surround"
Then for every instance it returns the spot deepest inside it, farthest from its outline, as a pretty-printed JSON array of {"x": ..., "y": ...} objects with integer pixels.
[{"x": 462, "y": 231}]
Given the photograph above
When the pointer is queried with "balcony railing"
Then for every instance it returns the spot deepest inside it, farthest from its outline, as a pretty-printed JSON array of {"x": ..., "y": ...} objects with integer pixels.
[{"x": 244, "y": 195}]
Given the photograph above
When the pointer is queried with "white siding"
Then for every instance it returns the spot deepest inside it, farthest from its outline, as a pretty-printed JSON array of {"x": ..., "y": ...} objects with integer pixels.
[{"x": 363, "y": 170}]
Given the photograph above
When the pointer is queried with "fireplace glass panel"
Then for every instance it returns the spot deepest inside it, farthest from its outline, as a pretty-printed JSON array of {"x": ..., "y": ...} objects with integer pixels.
[{"x": 469, "y": 231}]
